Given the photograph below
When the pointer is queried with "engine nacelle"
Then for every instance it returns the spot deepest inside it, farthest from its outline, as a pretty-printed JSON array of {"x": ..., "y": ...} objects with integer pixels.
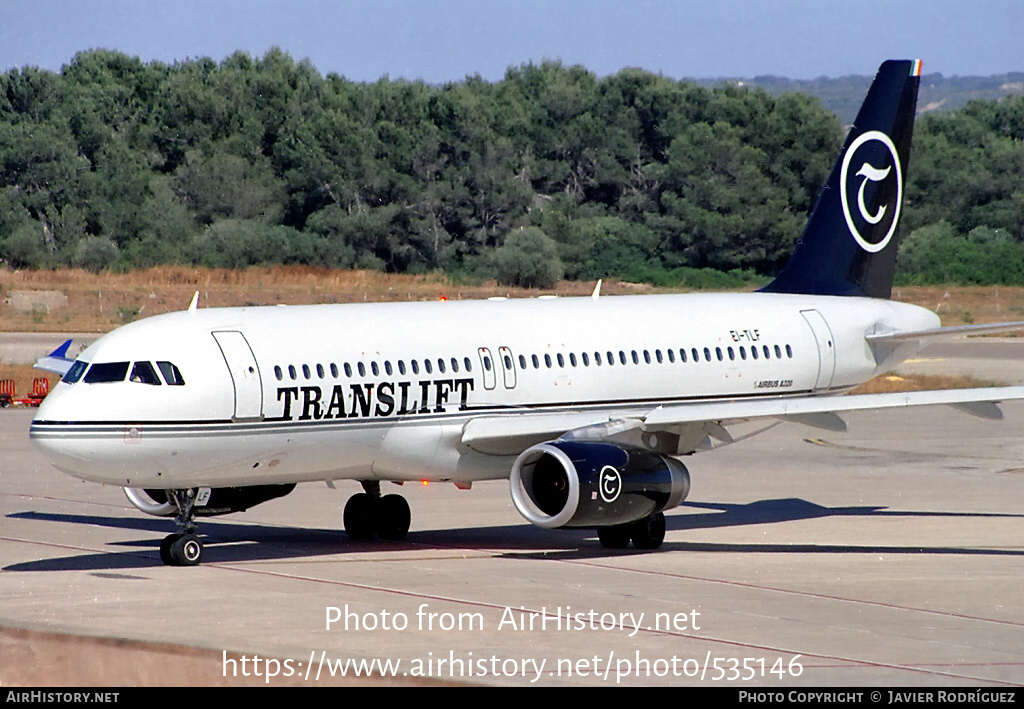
[
  {"x": 591, "y": 484},
  {"x": 222, "y": 501}
]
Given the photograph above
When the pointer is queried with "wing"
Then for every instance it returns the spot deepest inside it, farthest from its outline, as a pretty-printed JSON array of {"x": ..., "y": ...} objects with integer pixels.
[{"x": 511, "y": 433}]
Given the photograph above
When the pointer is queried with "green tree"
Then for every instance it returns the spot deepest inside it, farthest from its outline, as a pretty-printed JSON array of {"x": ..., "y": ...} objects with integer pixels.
[{"x": 528, "y": 258}]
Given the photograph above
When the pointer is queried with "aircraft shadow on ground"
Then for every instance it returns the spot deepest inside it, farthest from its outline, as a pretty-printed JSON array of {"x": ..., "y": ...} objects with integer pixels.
[{"x": 228, "y": 542}]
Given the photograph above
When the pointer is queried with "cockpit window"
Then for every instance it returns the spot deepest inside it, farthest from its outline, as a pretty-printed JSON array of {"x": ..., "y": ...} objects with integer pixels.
[
  {"x": 171, "y": 374},
  {"x": 143, "y": 373},
  {"x": 75, "y": 373},
  {"x": 101, "y": 372}
]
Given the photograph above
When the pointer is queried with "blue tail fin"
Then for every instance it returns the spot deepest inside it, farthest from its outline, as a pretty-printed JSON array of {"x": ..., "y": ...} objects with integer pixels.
[{"x": 849, "y": 244}]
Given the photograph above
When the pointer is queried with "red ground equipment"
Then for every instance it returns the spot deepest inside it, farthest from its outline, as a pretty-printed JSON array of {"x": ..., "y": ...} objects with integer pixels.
[
  {"x": 40, "y": 388},
  {"x": 6, "y": 393}
]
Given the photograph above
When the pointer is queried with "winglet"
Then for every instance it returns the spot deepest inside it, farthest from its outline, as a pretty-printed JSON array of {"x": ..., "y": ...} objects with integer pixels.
[
  {"x": 194, "y": 305},
  {"x": 57, "y": 361},
  {"x": 61, "y": 351}
]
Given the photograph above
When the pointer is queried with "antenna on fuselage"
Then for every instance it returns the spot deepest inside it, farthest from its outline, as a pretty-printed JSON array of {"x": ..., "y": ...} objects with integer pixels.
[
  {"x": 194, "y": 305},
  {"x": 597, "y": 290}
]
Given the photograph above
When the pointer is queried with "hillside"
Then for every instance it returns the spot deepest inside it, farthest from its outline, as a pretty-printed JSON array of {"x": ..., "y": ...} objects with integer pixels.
[{"x": 842, "y": 95}]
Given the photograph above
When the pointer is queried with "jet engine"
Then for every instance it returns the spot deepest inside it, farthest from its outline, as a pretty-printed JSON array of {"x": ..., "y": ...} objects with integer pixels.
[
  {"x": 592, "y": 484},
  {"x": 222, "y": 500}
]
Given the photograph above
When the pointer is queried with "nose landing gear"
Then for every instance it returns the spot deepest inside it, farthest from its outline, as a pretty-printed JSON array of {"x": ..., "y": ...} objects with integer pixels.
[{"x": 183, "y": 548}]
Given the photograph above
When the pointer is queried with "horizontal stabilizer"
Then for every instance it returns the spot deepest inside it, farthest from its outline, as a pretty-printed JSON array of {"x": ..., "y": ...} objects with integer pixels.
[{"x": 945, "y": 332}]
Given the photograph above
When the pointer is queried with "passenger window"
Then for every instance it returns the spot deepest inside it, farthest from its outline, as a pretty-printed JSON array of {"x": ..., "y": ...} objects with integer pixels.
[
  {"x": 522, "y": 361},
  {"x": 636, "y": 358},
  {"x": 427, "y": 367},
  {"x": 374, "y": 368},
  {"x": 320, "y": 371},
  {"x": 440, "y": 365},
  {"x": 671, "y": 356},
  {"x": 561, "y": 359},
  {"x": 572, "y": 358},
  {"x": 732, "y": 354},
  {"x": 586, "y": 359},
  {"x": 334, "y": 370},
  {"x": 536, "y": 362},
  {"x": 348, "y": 370},
  {"x": 278, "y": 373},
  {"x": 789, "y": 351},
  {"x": 547, "y": 360},
  {"x": 707, "y": 355},
  {"x": 106, "y": 372},
  {"x": 143, "y": 373},
  {"x": 778, "y": 352},
  {"x": 753, "y": 351},
  {"x": 75, "y": 373},
  {"x": 305, "y": 371},
  {"x": 387, "y": 368},
  {"x": 622, "y": 357},
  {"x": 291, "y": 371},
  {"x": 469, "y": 365},
  {"x": 173, "y": 377},
  {"x": 415, "y": 367},
  {"x": 455, "y": 365},
  {"x": 361, "y": 369},
  {"x": 401, "y": 366}
]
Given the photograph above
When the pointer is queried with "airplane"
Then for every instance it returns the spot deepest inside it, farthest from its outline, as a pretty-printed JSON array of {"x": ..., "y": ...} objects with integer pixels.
[{"x": 585, "y": 404}]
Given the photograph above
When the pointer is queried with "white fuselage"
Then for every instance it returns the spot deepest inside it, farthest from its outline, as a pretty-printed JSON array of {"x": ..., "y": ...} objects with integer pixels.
[{"x": 383, "y": 391}]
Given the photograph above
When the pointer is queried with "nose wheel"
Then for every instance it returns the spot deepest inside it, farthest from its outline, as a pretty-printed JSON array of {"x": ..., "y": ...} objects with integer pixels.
[
  {"x": 368, "y": 514},
  {"x": 184, "y": 548},
  {"x": 181, "y": 550}
]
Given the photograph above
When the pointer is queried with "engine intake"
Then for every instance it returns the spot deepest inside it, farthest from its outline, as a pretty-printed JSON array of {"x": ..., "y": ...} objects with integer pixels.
[{"x": 589, "y": 484}]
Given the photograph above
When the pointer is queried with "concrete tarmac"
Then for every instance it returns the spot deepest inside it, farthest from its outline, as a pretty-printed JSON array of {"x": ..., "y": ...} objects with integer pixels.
[{"x": 888, "y": 555}]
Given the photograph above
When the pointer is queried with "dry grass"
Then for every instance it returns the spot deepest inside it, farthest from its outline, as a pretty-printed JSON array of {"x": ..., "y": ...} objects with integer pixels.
[
  {"x": 101, "y": 302},
  {"x": 886, "y": 383},
  {"x": 965, "y": 305}
]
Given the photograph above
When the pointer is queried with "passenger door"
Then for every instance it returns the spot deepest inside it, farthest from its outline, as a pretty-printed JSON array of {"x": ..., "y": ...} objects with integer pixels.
[{"x": 245, "y": 374}]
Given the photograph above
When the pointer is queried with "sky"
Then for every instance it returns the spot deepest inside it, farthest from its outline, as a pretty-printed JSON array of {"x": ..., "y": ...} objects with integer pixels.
[{"x": 446, "y": 40}]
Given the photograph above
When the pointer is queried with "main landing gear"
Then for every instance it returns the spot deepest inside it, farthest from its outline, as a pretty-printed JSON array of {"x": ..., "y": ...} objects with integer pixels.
[
  {"x": 368, "y": 514},
  {"x": 647, "y": 533},
  {"x": 183, "y": 548}
]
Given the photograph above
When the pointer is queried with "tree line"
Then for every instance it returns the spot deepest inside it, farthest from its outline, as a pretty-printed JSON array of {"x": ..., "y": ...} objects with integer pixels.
[{"x": 549, "y": 173}]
